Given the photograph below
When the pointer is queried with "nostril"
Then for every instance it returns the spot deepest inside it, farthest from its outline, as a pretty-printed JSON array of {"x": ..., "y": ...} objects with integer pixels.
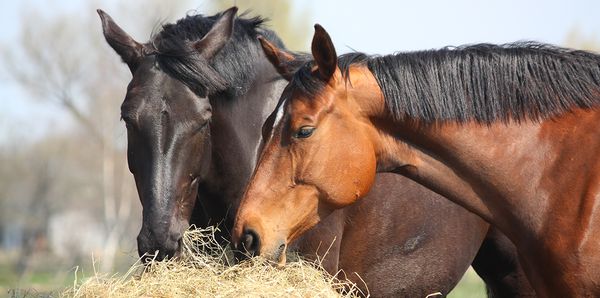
[
  {"x": 248, "y": 241},
  {"x": 175, "y": 237},
  {"x": 251, "y": 242},
  {"x": 281, "y": 249},
  {"x": 172, "y": 245},
  {"x": 150, "y": 248}
]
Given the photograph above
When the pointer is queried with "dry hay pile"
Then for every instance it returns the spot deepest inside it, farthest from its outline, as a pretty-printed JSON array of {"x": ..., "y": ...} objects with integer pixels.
[{"x": 202, "y": 270}]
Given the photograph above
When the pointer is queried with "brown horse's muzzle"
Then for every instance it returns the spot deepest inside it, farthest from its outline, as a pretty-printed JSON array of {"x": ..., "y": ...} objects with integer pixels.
[{"x": 250, "y": 245}]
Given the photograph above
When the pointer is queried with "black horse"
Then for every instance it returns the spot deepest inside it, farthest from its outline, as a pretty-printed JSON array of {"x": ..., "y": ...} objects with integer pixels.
[{"x": 200, "y": 92}]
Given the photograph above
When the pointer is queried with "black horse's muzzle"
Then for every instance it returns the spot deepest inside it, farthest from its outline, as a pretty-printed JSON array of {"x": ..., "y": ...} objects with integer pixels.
[{"x": 158, "y": 246}]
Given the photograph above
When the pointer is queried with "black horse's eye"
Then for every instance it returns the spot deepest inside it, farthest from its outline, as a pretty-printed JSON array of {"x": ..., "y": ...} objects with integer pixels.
[
  {"x": 304, "y": 132},
  {"x": 202, "y": 126}
]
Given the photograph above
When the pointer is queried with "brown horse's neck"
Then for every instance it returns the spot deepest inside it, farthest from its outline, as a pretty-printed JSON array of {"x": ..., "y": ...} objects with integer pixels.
[
  {"x": 538, "y": 182},
  {"x": 508, "y": 173},
  {"x": 479, "y": 167}
]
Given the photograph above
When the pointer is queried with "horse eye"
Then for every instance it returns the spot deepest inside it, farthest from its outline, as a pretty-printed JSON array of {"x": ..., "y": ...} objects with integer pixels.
[
  {"x": 304, "y": 132},
  {"x": 202, "y": 126}
]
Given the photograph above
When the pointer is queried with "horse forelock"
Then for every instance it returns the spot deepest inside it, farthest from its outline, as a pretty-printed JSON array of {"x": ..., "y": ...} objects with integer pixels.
[{"x": 231, "y": 70}]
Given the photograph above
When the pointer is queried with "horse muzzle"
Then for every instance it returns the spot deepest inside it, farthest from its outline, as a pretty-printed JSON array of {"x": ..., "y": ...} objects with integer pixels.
[
  {"x": 250, "y": 244},
  {"x": 158, "y": 246}
]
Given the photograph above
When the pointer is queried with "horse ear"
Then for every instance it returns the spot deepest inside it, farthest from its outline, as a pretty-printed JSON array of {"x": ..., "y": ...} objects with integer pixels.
[
  {"x": 324, "y": 53},
  {"x": 129, "y": 49},
  {"x": 280, "y": 59},
  {"x": 218, "y": 35}
]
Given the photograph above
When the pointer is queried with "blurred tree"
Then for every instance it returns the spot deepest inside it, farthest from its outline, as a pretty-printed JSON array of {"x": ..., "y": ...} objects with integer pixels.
[
  {"x": 292, "y": 25},
  {"x": 576, "y": 39},
  {"x": 63, "y": 59}
]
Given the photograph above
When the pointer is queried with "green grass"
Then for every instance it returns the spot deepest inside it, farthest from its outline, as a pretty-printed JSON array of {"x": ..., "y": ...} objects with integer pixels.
[
  {"x": 470, "y": 286},
  {"x": 38, "y": 282},
  {"x": 46, "y": 277}
]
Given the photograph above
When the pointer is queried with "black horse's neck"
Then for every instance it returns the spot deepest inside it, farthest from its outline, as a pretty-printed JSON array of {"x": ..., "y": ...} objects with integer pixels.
[{"x": 235, "y": 134}]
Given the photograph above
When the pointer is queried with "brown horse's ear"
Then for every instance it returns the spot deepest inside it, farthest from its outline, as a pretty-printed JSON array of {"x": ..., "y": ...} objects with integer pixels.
[
  {"x": 129, "y": 49},
  {"x": 324, "y": 53},
  {"x": 279, "y": 58},
  {"x": 218, "y": 35}
]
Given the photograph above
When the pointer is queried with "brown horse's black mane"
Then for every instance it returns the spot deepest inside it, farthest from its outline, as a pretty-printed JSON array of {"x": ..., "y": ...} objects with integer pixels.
[
  {"x": 482, "y": 82},
  {"x": 231, "y": 70}
]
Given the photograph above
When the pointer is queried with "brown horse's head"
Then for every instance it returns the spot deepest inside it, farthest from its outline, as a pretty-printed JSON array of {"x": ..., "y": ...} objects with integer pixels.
[
  {"x": 167, "y": 120},
  {"x": 318, "y": 156}
]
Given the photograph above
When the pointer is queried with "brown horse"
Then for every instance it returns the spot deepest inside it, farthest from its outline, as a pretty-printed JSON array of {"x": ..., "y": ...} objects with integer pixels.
[
  {"x": 200, "y": 90},
  {"x": 512, "y": 133}
]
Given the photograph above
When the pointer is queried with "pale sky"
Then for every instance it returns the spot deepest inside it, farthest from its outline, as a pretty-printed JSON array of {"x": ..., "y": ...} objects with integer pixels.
[
  {"x": 387, "y": 26},
  {"x": 374, "y": 27}
]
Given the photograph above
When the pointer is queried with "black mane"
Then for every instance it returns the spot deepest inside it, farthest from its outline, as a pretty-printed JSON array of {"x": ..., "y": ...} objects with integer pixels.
[
  {"x": 481, "y": 82},
  {"x": 231, "y": 70}
]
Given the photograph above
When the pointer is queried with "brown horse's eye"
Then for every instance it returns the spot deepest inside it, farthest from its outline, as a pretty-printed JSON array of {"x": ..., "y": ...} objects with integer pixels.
[{"x": 304, "y": 132}]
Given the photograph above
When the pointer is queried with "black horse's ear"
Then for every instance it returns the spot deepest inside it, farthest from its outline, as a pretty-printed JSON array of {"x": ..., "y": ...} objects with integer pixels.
[
  {"x": 280, "y": 59},
  {"x": 129, "y": 49},
  {"x": 218, "y": 35},
  {"x": 324, "y": 53}
]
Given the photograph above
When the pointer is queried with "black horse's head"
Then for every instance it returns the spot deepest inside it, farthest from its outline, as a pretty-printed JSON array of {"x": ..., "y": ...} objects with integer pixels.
[{"x": 167, "y": 115}]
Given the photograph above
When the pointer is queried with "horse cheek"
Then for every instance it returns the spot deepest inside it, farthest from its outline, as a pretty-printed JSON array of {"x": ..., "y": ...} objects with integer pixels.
[
  {"x": 366, "y": 176},
  {"x": 353, "y": 181}
]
